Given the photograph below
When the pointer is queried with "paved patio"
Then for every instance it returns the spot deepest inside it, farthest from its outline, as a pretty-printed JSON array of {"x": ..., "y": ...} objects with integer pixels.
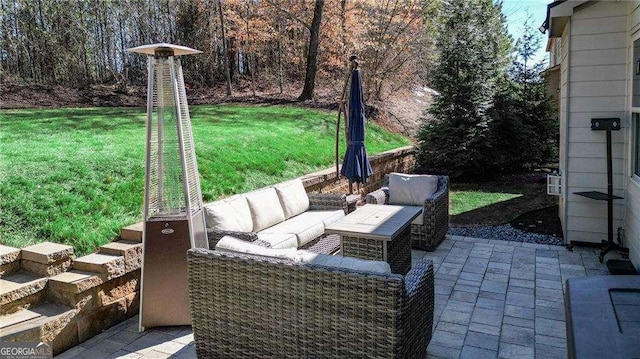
[{"x": 494, "y": 299}]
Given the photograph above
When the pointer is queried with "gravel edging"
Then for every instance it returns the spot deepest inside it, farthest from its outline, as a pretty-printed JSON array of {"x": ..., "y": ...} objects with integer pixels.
[{"x": 505, "y": 232}]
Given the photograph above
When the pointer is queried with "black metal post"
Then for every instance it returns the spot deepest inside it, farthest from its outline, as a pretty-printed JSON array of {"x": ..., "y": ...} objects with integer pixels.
[
  {"x": 609, "y": 191},
  {"x": 607, "y": 125}
]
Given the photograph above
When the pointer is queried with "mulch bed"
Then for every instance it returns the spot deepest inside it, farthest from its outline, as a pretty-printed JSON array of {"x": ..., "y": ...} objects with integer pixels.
[
  {"x": 542, "y": 221},
  {"x": 534, "y": 211}
]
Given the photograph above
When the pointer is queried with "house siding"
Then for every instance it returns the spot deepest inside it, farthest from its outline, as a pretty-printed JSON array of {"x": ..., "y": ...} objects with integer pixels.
[
  {"x": 596, "y": 87},
  {"x": 632, "y": 194},
  {"x": 562, "y": 118},
  {"x": 601, "y": 72},
  {"x": 632, "y": 223}
]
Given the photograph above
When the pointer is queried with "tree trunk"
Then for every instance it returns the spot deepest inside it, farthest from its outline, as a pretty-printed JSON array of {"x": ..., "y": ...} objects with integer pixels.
[
  {"x": 312, "y": 55},
  {"x": 250, "y": 57},
  {"x": 227, "y": 71},
  {"x": 280, "y": 69},
  {"x": 343, "y": 26}
]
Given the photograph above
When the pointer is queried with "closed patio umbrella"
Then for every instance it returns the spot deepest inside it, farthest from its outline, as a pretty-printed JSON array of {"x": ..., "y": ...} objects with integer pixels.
[{"x": 356, "y": 166}]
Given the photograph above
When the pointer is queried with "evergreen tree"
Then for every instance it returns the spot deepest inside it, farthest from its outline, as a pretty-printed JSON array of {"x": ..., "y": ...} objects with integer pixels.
[
  {"x": 523, "y": 128},
  {"x": 472, "y": 46}
]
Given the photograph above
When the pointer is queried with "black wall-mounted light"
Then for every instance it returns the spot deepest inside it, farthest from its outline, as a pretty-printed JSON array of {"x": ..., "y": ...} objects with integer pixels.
[
  {"x": 638, "y": 67},
  {"x": 543, "y": 28}
]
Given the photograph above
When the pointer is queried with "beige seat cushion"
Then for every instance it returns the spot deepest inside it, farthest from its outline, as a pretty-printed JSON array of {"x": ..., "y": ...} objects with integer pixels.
[
  {"x": 279, "y": 240},
  {"x": 304, "y": 231},
  {"x": 235, "y": 245},
  {"x": 265, "y": 208},
  {"x": 306, "y": 257},
  {"x": 306, "y": 226},
  {"x": 293, "y": 197},
  {"x": 326, "y": 217},
  {"x": 229, "y": 214},
  {"x": 420, "y": 219},
  {"x": 411, "y": 190}
]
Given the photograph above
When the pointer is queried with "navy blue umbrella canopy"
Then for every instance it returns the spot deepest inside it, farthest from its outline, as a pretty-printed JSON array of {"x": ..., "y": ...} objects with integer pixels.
[{"x": 356, "y": 166}]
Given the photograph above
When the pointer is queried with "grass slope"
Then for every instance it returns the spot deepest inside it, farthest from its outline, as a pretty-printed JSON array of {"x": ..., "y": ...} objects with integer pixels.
[{"x": 76, "y": 176}]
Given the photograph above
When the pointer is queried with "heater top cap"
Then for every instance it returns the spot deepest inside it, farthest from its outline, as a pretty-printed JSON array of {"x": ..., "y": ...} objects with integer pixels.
[{"x": 152, "y": 48}]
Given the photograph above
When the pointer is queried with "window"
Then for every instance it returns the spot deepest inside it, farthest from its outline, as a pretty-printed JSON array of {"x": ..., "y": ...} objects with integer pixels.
[
  {"x": 635, "y": 106},
  {"x": 635, "y": 118}
]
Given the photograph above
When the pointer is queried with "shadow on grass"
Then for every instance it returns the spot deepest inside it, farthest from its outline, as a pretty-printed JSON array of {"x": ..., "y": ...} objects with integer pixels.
[
  {"x": 533, "y": 197},
  {"x": 69, "y": 120}
]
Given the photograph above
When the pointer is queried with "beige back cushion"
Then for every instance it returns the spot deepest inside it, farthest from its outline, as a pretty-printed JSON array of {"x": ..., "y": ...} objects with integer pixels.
[
  {"x": 230, "y": 214},
  {"x": 293, "y": 197},
  {"x": 411, "y": 190},
  {"x": 306, "y": 257},
  {"x": 265, "y": 208},
  {"x": 235, "y": 245}
]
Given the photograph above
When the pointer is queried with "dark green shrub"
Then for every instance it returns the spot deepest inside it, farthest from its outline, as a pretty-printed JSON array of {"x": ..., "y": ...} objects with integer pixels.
[{"x": 489, "y": 118}]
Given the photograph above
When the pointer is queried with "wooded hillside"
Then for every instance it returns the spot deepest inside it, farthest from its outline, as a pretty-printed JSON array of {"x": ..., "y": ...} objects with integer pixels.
[{"x": 263, "y": 43}]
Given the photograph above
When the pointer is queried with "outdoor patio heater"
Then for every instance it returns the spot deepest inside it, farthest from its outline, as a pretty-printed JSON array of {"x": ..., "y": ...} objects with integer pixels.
[{"x": 173, "y": 215}]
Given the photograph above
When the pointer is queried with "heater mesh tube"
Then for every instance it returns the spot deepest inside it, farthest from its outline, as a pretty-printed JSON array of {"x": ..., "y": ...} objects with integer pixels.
[
  {"x": 172, "y": 168},
  {"x": 193, "y": 179},
  {"x": 166, "y": 190}
]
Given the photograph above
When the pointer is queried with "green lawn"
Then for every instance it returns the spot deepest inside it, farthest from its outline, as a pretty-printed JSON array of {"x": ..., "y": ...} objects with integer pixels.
[
  {"x": 76, "y": 176},
  {"x": 465, "y": 201}
]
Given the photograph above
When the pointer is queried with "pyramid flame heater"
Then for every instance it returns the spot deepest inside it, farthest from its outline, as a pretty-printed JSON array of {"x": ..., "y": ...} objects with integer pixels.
[{"x": 174, "y": 220}]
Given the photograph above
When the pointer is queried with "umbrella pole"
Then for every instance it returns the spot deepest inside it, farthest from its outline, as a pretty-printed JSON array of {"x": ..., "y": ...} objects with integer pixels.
[
  {"x": 337, "y": 140},
  {"x": 341, "y": 109}
]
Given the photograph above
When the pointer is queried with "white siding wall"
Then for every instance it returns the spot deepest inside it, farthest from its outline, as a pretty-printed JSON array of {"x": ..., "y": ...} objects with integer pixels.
[
  {"x": 632, "y": 195},
  {"x": 596, "y": 87},
  {"x": 563, "y": 118}
]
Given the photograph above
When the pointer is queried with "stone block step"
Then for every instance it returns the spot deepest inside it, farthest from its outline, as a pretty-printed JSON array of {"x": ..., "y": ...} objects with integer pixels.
[
  {"x": 131, "y": 251},
  {"x": 133, "y": 232},
  {"x": 105, "y": 265},
  {"x": 46, "y": 270},
  {"x": 47, "y": 253},
  {"x": 8, "y": 254},
  {"x": 9, "y": 260},
  {"x": 44, "y": 323},
  {"x": 74, "y": 281},
  {"x": 18, "y": 289},
  {"x": 46, "y": 259}
]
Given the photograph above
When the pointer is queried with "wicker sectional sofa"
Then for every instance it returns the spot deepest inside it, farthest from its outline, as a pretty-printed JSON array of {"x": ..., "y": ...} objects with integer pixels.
[
  {"x": 280, "y": 216},
  {"x": 246, "y": 306}
]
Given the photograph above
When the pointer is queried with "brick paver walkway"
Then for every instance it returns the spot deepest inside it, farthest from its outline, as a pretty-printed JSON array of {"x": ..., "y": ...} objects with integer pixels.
[{"x": 494, "y": 299}]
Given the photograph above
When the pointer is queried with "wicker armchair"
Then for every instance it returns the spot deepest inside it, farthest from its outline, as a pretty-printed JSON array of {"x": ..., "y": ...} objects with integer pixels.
[
  {"x": 248, "y": 307},
  {"x": 435, "y": 221}
]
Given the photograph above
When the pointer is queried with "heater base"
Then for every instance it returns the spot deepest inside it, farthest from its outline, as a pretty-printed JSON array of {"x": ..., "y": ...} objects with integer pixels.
[
  {"x": 608, "y": 247},
  {"x": 165, "y": 290},
  {"x": 621, "y": 267}
]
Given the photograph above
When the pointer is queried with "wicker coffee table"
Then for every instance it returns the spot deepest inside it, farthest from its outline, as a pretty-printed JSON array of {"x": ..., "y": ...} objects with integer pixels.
[{"x": 378, "y": 232}]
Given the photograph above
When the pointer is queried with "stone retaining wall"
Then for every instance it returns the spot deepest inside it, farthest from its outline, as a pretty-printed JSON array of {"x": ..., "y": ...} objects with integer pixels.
[
  {"x": 397, "y": 160},
  {"x": 53, "y": 297}
]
